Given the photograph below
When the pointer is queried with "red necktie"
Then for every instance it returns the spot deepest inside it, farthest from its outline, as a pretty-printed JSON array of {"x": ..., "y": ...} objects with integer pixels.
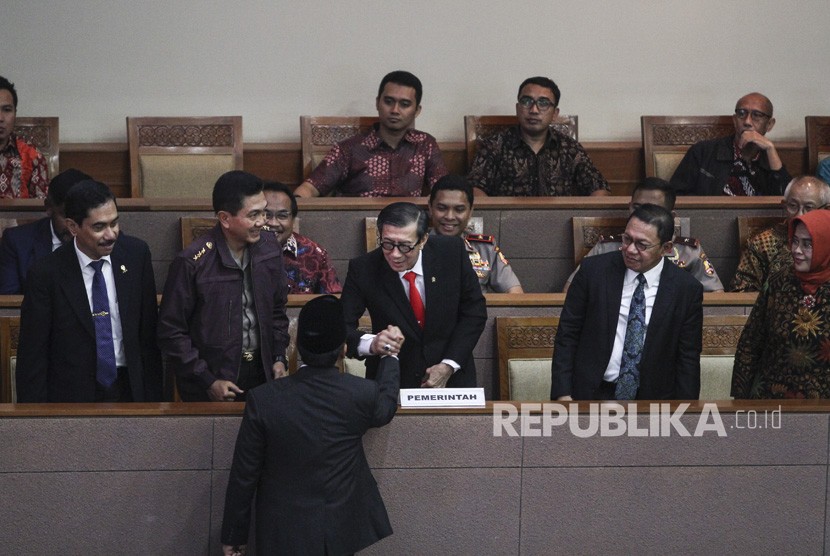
[{"x": 415, "y": 298}]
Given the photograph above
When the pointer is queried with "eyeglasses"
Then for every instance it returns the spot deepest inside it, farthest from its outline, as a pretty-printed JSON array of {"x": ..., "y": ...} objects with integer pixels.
[
  {"x": 639, "y": 245},
  {"x": 804, "y": 244},
  {"x": 795, "y": 208},
  {"x": 757, "y": 115},
  {"x": 281, "y": 215},
  {"x": 542, "y": 103},
  {"x": 404, "y": 248}
]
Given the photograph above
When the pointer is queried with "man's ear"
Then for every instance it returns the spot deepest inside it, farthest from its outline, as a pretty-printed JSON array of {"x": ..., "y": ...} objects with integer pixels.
[
  {"x": 72, "y": 226},
  {"x": 770, "y": 125},
  {"x": 667, "y": 247},
  {"x": 223, "y": 217}
]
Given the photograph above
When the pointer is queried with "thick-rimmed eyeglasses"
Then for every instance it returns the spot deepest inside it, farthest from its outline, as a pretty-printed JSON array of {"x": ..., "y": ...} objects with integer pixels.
[
  {"x": 639, "y": 245},
  {"x": 542, "y": 103},
  {"x": 402, "y": 247},
  {"x": 757, "y": 115}
]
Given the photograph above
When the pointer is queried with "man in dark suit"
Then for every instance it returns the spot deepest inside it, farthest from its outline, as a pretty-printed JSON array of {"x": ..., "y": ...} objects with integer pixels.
[
  {"x": 300, "y": 450},
  {"x": 631, "y": 327},
  {"x": 22, "y": 245},
  {"x": 88, "y": 319},
  {"x": 438, "y": 351}
]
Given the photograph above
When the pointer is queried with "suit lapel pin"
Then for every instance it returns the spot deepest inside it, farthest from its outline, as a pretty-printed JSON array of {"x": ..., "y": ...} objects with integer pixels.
[
  {"x": 433, "y": 279},
  {"x": 123, "y": 269}
]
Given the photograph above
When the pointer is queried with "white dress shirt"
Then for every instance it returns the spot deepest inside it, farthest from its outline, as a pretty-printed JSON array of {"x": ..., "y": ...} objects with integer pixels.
[
  {"x": 115, "y": 315},
  {"x": 629, "y": 285}
]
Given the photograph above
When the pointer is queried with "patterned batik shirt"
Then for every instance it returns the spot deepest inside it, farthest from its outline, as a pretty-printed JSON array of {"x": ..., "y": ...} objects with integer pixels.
[
  {"x": 365, "y": 166},
  {"x": 22, "y": 171},
  {"x": 307, "y": 267},
  {"x": 765, "y": 254},
  {"x": 505, "y": 165}
]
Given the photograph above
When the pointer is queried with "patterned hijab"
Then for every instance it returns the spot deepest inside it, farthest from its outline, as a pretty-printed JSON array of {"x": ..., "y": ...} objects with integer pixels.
[{"x": 817, "y": 223}]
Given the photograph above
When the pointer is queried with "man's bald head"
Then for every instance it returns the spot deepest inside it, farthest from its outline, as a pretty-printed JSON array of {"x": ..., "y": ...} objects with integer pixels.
[{"x": 805, "y": 193}]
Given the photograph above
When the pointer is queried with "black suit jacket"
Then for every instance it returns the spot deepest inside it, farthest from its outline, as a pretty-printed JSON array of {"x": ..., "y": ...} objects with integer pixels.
[
  {"x": 300, "y": 449},
  {"x": 56, "y": 356},
  {"x": 20, "y": 248},
  {"x": 456, "y": 311},
  {"x": 670, "y": 364}
]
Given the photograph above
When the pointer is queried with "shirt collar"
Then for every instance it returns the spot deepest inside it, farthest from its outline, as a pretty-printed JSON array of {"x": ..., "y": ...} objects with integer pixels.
[
  {"x": 290, "y": 246},
  {"x": 652, "y": 276},
  {"x": 417, "y": 268},
  {"x": 373, "y": 139},
  {"x": 83, "y": 259},
  {"x": 11, "y": 148}
]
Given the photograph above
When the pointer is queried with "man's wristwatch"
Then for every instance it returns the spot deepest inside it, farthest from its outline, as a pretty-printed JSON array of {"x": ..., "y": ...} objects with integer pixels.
[{"x": 281, "y": 359}]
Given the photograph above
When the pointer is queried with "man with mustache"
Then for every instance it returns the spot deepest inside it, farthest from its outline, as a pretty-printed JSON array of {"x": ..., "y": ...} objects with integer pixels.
[
  {"x": 88, "y": 319},
  {"x": 22, "y": 245}
]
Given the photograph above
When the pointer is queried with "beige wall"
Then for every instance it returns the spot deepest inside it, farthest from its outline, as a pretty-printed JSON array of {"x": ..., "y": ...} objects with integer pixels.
[{"x": 93, "y": 63}]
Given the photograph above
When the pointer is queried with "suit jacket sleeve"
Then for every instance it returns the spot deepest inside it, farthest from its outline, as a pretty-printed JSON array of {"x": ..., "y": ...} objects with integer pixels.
[
  {"x": 150, "y": 353},
  {"x": 177, "y": 305},
  {"x": 571, "y": 323},
  {"x": 34, "y": 349},
  {"x": 9, "y": 264},
  {"x": 354, "y": 305},
  {"x": 472, "y": 312},
  {"x": 248, "y": 462},
  {"x": 389, "y": 381},
  {"x": 687, "y": 379}
]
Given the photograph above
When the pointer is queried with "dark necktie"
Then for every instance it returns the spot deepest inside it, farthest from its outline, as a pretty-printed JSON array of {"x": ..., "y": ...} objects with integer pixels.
[
  {"x": 107, "y": 372},
  {"x": 635, "y": 333},
  {"x": 415, "y": 298}
]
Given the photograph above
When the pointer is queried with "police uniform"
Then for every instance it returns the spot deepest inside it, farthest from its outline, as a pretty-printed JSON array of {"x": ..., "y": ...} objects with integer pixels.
[
  {"x": 492, "y": 268},
  {"x": 686, "y": 253}
]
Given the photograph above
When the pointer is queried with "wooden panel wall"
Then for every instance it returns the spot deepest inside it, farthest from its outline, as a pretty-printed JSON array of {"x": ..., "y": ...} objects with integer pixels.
[{"x": 620, "y": 162}]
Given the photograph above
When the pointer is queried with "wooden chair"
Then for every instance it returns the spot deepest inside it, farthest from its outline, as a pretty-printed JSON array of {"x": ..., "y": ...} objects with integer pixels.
[
  {"x": 525, "y": 349},
  {"x": 667, "y": 138},
  {"x": 588, "y": 229},
  {"x": 481, "y": 126},
  {"x": 195, "y": 227},
  {"x": 43, "y": 133},
  {"x": 182, "y": 157},
  {"x": 818, "y": 140},
  {"x": 749, "y": 226},
  {"x": 318, "y": 134},
  {"x": 9, "y": 337},
  {"x": 475, "y": 226}
]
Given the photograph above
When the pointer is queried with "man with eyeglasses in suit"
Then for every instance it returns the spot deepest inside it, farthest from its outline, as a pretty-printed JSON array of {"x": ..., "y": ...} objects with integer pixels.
[
  {"x": 632, "y": 324},
  {"x": 531, "y": 159},
  {"x": 421, "y": 289},
  {"x": 745, "y": 164}
]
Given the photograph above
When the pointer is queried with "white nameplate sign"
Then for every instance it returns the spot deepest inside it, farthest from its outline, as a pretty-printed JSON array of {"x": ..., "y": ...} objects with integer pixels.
[{"x": 442, "y": 397}]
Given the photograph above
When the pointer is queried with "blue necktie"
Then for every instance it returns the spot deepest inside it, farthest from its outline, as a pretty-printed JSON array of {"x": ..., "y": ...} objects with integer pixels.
[
  {"x": 635, "y": 334},
  {"x": 107, "y": 372}
]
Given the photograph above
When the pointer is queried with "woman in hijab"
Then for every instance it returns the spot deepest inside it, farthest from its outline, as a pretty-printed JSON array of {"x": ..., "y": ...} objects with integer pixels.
[{"x": 784, "y": 351}]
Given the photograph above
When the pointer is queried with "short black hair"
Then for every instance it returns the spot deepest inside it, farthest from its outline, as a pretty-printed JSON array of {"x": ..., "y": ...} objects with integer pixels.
[
  {"x": 657, "y": 216},
  {"x": 282, "y": 188},
  {"x": 451, "y": 182},
  {"x": 545, "y": 82},
  {"x": 658, "y": 184},
  {"x": 328, "y": 359},
  {"x": 7, "y": 85},
  {"x": 232, "y": 188},
  {"x": 404, "y": 78},
  {"x": 85, "y": 196},
  {"x": 401, "y": 215},
  {"x": 60, "y": 185}
]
